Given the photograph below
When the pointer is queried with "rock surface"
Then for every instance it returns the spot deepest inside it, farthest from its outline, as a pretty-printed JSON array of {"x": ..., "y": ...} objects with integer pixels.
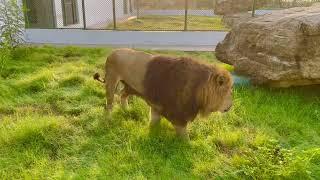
[
  {"x": 281, "y": 49},
  {"x": 235, "y": 19},
  {"x": 225, "y": 7}
]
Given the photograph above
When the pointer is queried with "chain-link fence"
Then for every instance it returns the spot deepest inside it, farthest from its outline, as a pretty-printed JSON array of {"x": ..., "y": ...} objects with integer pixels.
[
  {"x": 262, "y": 7},
  {"x": 135, "y": 15},
  {"x": 140, "y": 15}
]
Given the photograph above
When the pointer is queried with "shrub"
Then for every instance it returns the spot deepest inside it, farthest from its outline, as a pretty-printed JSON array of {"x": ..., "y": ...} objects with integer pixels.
[
  {"x": 4, "y": 56},
  {"x": 11, "y": 29},
  {"x": 11, "y": 24}
]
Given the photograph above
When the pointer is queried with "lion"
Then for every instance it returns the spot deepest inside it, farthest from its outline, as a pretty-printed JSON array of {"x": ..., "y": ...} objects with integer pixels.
[{"x": 177, "y": 88}]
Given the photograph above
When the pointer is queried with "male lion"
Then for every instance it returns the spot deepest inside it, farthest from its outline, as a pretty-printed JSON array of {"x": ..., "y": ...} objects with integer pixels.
[{"x": 175, "y": 88}]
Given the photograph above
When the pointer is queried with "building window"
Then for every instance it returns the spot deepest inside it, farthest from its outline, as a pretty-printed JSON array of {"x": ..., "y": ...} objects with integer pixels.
[
  {"x": 70, "y": 12},
  {"x": 39, "y": 14}
]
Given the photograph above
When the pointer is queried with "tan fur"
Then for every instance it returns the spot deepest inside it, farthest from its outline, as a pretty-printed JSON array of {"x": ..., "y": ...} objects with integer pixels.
[
  {"x": 216, "y": 98},
  {"x": 176, "y": 88},
  {"x": 129, "y": 66}
]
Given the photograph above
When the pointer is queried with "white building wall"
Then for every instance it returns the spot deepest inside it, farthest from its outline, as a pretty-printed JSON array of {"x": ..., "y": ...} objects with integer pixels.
[{"x": 98, "y": 12}]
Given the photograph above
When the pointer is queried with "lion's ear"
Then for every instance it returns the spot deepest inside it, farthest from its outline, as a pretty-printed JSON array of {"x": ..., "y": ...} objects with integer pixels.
[{"x": 221, "y": 80}]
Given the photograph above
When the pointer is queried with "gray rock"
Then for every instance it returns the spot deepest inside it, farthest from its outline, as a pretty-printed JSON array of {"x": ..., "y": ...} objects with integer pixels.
[
  {"x": 235, "y": 19},
  {"x": 281, "y": 49}
]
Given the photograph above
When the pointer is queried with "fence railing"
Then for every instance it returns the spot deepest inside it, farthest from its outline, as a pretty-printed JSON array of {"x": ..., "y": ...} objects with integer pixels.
[{"x": 138, "y": 15}]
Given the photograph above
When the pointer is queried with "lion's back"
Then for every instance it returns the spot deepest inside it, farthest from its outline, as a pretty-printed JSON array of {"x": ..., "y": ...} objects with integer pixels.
[{"x": 130, "y": 65}]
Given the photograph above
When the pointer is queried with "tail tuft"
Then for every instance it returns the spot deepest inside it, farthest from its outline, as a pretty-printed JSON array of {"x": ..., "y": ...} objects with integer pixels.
[{"x": 96, "y": 76}]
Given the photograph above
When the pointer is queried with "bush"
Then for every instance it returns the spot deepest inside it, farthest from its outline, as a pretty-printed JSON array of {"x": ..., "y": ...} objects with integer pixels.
[
  {"x": 4, "y": 56},
  {"x": 11, "y": 24},
  {"x": 11, "y": 29}
]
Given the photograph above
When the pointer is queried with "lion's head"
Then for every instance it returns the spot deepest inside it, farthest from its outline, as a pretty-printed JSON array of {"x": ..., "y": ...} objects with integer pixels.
[{"x": 216, "y": 93}]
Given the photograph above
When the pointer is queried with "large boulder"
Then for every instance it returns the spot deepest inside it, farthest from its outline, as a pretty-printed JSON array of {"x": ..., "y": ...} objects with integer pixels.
[
  {"x": 226, "y": 7},
  {"x": 235, "y": 19},
  {"x": 281, "y": 49}
]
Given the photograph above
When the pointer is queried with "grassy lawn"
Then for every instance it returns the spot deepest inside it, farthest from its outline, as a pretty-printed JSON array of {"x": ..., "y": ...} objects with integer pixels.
[
  {"x": 53, "y": 126},
  {"x": 153, "y": 22}
]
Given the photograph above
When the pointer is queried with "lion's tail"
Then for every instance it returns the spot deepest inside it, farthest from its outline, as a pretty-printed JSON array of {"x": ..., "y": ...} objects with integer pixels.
[{"x": 96, "y": 76}]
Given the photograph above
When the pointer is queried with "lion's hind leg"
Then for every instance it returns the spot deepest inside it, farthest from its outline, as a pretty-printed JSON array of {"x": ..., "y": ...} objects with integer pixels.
[
  {"x": 111, "y": 82},
  {"x": 125, "y": 93}
]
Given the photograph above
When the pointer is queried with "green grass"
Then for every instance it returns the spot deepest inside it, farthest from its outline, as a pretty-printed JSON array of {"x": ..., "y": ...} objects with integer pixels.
[
  {"x": 53, "y": 126},
  {"x": 153, "y": 22}
]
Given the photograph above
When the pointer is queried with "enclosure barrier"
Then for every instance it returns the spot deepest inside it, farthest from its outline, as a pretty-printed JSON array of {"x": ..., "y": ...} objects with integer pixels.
[{"x": 139, "y": 15}]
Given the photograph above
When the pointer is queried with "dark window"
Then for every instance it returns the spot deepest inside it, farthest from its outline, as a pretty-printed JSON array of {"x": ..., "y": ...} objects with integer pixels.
[
  {"x": 39, "y": 14},
  {"x": 70, "y": 12}
]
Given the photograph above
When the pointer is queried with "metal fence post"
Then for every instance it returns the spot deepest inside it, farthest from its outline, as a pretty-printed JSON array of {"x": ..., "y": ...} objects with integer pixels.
[
  {"x": 253, "y": 8},
  {"x": 280, "y": 3},
  {"x": 186, "y": 15},
  {"x": 84, "y": 15},
  {"x": 130, "y": 6},
  {"x": 138, "y": 8},
  {"x": 114, "y": 14}
]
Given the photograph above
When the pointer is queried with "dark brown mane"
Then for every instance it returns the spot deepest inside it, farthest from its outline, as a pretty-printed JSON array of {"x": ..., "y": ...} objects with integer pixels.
[{"x": 172, "y": 83}]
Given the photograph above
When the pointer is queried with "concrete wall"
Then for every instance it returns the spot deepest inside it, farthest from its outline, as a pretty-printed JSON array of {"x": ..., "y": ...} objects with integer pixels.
[{"x": 133, "y": 39}]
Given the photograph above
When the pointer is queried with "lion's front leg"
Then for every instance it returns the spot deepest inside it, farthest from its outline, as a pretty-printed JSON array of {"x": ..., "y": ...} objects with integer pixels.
[
  {"x": 124, "y": 98},
  {"x": 181, "y": 131},
  {"x": 155, "y": 117}
]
